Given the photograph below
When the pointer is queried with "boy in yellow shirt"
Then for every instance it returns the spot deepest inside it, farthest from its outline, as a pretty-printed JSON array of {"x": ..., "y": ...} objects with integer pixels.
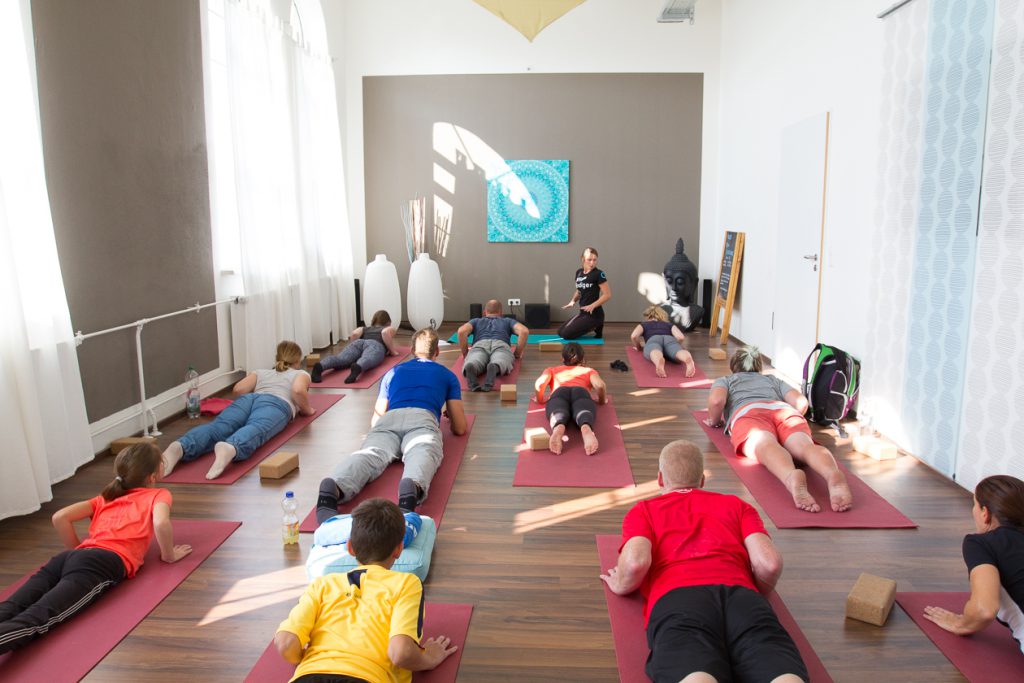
[{"x": 363, "y": 626}]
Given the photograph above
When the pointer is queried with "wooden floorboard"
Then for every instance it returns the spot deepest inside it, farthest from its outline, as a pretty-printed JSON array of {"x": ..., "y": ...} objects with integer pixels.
[{"x": 525, "y": 557}]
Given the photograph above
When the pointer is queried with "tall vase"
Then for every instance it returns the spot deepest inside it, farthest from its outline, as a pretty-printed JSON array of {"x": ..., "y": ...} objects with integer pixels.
[
  {"x": 381, "y": 291},
  {"x": 425, "y": 297}
]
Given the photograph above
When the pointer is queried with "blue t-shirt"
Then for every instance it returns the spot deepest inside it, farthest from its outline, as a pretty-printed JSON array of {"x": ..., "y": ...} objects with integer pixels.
[
  {"x": 420, "y": 383},
  {"x": 492, "y": 328}
]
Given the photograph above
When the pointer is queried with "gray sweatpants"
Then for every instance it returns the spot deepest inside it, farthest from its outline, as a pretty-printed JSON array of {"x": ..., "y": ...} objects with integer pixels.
[
  {"x": 666, "y": 343},
  {"x": 485, "y": 352},
  {"x": 411, "y": 435},
  {"x": 367, "y": 353}
]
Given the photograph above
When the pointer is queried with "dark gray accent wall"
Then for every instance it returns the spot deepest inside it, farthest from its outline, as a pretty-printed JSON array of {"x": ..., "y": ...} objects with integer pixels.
[
  {"x": 124, "y": 142},
  {"x": 634, "y": 146}
]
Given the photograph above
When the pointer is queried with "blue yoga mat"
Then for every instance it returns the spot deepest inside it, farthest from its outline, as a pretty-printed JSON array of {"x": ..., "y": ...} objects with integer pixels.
[{"x": 537, "y": 339}]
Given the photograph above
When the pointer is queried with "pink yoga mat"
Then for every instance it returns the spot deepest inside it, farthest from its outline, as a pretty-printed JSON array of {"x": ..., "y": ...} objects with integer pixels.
[
  {"x": 510, "y": 378},
  {"x": 626, "y": 613},
  {"x": 607, "y": 468},
  {"x": 869, "y": 511},
  {"x": 989, "y": 655},
  {"x": 439, "y": 618},
  {"x": 335, "y": 379},
  {"x": 194, "y": 472},
  {"x": 643, "y": 371},
  {"x": 386, "y": 486},
  {"x": 72, "y": 649}
]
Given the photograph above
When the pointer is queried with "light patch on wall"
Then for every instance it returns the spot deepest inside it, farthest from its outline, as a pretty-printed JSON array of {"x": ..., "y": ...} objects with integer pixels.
[
  {"x": 444, "y": 179},
  {"x": 442, "y": 225}
]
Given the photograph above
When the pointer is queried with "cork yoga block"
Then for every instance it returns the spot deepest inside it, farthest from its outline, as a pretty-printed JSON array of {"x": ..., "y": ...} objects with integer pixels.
[
  {"x": 551, "y": 346},
  {"x": 537, "y": 439},
  {"x": 717, "y": 354},
  {"x": 118, "y": 445},
  {"x": 877, "y": 448},
  {"x": 312, "y": 359},
  {"x": 508, "y": 392},
  {"x": 278, "y": 465},
  {"x": 871, "y": 599}
]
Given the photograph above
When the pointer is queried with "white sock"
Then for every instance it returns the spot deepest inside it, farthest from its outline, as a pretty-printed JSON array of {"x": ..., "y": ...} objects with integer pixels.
[
  {"x": 172, "y": 455},
  {"x": 223, "y": 453}
]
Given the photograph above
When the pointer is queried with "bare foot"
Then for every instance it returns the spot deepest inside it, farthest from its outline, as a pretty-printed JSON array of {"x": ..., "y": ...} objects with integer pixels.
[
  {"x": 223, "y": 452},
  {"x": 589, "y": 439},
  {"x": 172, "y": 455},
  {"x": 555, "y": 442},
  {"x": 659, "y": 369},
  {"x": 796, "y": 482},
  {"x": 691, "y": 369},
  {"x": 839, "y": 492}
]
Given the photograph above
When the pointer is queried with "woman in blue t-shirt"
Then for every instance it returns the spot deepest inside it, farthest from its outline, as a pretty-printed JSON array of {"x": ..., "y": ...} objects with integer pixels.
[{"x": 995, "y": 561}]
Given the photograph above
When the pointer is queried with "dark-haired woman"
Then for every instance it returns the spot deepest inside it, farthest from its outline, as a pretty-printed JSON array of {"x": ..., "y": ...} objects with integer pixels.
[
  {"x": 995, "y": 562},
  {"x": 764, "y": 418},
  {"x": 571, "y": 385},
  {"x": 592, "y": 290},
  {"x": 125, "y": 517},
  {"x": 366, "y": 349}
]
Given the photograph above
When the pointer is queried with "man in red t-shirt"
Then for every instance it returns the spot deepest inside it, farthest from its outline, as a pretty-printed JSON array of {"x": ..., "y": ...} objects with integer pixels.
[{"x": 702, "y": 561}]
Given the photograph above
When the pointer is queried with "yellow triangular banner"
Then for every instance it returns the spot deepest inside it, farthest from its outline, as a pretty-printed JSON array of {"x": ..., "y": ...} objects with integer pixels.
[{"x": 529, "y": 17}]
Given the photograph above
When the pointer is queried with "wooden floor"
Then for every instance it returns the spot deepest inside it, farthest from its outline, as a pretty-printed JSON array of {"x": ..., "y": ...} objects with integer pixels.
[{"x": 525, "y": 557}]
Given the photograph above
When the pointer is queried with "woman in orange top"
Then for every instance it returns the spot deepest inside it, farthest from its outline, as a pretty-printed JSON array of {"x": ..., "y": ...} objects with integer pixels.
[
  {"x": 125, "y": 517},
  {"x": 571, "y": 385}
]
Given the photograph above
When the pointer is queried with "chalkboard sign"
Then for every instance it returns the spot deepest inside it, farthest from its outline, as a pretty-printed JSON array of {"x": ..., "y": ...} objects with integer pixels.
[{"x": 728, "y": 280}]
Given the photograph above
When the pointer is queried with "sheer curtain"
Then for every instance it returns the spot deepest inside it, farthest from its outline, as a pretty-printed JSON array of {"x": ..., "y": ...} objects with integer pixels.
[
  {"x": 42, "y": 407},
  {"x": 279, "y": 98}
]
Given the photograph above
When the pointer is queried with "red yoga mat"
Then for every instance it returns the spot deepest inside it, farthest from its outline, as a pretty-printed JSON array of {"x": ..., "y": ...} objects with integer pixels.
[
  {"x": 608, "y": 468},
  {"x": 335, "y": 379},
  {"x": 386, "y": 485},
  {"x": 439, "y": 619},
  {"x": 989, "y": 655},
  {"x": 626, "y": 613},
  {"x": 869, "y": 511},
  {"x": 72, "y": 649},
  {"x": 194, "y": 472},
  {"x": 643, "y": 372},
  {"x": 510, "y": 378}
]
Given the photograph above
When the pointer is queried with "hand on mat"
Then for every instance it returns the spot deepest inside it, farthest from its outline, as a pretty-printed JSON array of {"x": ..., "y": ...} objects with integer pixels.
[
  {"x": 713, "y": 425},
  {"x": 950, "y": 621},
  {"x": 612, "y": 579},
  {"x": 436, "y": 650},
  {"x": 178, "y": 552}
]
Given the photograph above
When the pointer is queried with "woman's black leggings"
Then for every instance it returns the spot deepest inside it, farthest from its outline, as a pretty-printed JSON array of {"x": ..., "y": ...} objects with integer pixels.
[
  {"x": 570, "y": 402},
  {"x": 583, "y": 322}
]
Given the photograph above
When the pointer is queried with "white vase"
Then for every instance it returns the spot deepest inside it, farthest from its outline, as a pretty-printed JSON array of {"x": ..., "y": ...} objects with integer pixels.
[
  {"x": 425, "y": 297},
  {"x": 381, "y": 290}
]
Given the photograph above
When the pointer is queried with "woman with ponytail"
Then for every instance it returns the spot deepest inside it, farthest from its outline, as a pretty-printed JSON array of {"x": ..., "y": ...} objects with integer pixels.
[
  {"x": 267, "y": 401},
  {"x": 124, "y": 519},
  {"x": 571, "y": 385},
  {"x": 995, "y": 562},
  {"x": 764, "y": 418}
]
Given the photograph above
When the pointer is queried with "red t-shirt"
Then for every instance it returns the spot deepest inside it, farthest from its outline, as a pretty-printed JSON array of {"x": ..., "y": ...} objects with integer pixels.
[
  {"x": 125, "y": 525},
  {"x": 697, "y": 540},
  {"x": 570, "y": 376}
]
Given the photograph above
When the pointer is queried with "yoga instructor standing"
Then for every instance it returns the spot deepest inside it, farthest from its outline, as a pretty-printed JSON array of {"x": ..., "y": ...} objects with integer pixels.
[{"x": 592, "y": 290}]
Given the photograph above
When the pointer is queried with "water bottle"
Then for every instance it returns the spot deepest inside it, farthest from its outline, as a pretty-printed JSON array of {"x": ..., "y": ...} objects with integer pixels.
[
  {"x": 192, "y": 393},
  {"x": 290, "y": 521}
]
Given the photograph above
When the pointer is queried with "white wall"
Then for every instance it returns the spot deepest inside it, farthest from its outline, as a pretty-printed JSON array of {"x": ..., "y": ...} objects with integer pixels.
[
  {"x": 782, "y": 62},
  {"x": 404, "y": 37}
]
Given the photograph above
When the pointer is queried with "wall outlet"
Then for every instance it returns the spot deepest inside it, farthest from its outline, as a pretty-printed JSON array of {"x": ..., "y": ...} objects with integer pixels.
[{"x": 515, "y": 302}]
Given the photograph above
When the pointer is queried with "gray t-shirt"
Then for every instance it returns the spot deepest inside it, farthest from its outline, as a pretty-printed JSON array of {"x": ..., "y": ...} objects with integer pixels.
[
  {"x": 492, "y": 328},
  {"x": 277, "y": 384},
  {"x": 750, "y": 387}
]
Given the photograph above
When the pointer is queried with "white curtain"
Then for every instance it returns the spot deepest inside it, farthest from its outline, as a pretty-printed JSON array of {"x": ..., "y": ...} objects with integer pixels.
[
  {"x": 45, "y": 432},
  {"x": 289, "y": 188}
]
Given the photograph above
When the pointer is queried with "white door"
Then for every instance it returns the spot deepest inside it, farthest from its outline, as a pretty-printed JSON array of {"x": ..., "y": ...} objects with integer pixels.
[{"x": 802, "y": 184}]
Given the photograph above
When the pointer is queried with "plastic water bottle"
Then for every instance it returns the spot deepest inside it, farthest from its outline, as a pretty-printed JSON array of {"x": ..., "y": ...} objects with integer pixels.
[
  {"x": 192, "y": 393},
  {"x": 290, "y": 521}
]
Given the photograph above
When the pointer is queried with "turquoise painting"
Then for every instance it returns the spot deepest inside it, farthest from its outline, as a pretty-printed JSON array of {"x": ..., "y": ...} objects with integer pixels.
[{"x": 529, "y": 202}]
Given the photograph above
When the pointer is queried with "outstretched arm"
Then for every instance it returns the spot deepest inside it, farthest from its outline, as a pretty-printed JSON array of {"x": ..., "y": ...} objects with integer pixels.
[
  {"x": 522, "y": 338},
  {"x": 765, "y": 561},
  {"x": 457, "y": 416},
  {"x": 981, "y": 607},
  {"x": 637, "y": 337},
  {"x": 64, "y": 519},
  {"x": 165, "y": 534},
  {"x": 633, "y": 565},
  {"x": 464, "y": 331},
  {"x": 573, "y": 300},
  {"x": 716, "y": 406}
]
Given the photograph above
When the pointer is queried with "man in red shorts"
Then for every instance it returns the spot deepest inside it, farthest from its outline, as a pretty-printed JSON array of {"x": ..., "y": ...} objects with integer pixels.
[{"x": 703, "y": 561}]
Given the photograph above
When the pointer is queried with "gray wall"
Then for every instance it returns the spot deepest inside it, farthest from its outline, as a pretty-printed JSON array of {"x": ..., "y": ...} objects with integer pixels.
[
  {"x": 124, "y": 140},
  {"x": 634, "y": 146}
]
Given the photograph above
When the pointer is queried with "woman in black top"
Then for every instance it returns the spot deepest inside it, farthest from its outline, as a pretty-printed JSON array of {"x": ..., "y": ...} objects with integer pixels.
[
  {"x": 995, "y": 561},
  {"x": 592, "y": 290}
]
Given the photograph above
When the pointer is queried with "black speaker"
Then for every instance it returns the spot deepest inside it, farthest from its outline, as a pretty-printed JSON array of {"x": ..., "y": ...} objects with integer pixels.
[
  {"x": 476, "y": 311},
  {"x": 538, "y": 316},
  {"x": 359, "y": 306},
  {"x": 706, "y": 302}
]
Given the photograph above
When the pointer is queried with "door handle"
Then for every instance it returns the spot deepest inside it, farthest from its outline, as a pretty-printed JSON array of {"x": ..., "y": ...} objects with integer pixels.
[{"x": 811, "y": 257}]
